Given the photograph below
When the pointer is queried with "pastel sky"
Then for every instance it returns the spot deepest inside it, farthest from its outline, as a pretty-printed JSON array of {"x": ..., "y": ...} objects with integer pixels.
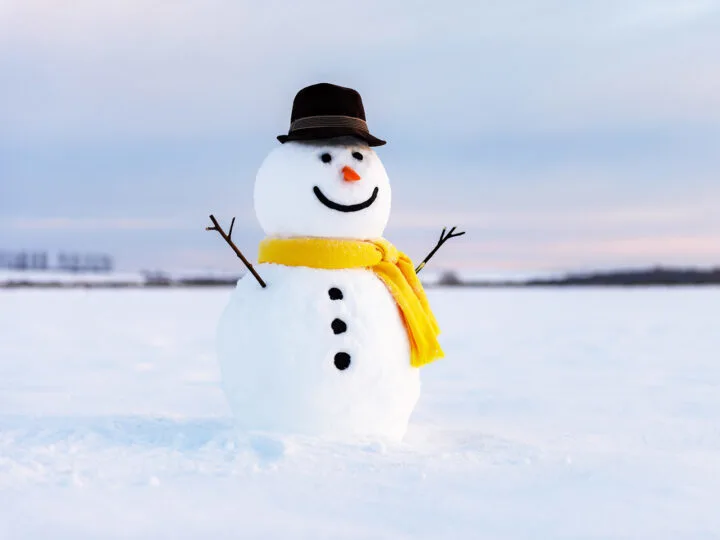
[{"x": 560, "y": 134}]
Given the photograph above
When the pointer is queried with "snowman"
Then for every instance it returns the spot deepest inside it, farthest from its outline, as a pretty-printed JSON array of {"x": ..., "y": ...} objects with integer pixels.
[{"x": 327, "y": 334}]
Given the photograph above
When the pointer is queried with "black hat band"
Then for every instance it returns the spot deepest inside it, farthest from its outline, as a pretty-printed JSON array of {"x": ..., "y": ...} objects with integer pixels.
[{"x": 329, "y": 121}]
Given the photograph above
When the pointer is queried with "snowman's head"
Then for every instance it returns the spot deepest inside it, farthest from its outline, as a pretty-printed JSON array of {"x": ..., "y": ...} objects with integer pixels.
[{"x": 332, "y": 188}]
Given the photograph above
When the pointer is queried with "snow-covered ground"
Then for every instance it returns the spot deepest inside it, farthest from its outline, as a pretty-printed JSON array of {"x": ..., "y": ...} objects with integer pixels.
[
  {"x": 68, "y": 278},
  {"x": 573, "y": 413},
  {"x": 46, "y": 277},
  {"x": 429, "y": 276}
]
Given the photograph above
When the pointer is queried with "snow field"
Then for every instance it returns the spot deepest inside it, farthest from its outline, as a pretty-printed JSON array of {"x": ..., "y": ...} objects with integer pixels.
[{"x": 558, "y": 413}]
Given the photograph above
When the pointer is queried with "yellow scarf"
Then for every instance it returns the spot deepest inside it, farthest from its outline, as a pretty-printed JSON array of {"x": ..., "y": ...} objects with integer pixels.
[{"x": 394, "y": 268}]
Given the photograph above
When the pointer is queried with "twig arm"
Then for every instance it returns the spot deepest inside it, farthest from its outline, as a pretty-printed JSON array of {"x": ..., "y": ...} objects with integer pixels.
[
  {"x": 444, "y": 237},
  {"x": 227, "y": 237}
]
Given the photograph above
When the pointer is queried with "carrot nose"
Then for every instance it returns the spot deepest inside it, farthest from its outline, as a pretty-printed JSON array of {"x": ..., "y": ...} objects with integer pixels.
[{"x": 349, "y": 174}]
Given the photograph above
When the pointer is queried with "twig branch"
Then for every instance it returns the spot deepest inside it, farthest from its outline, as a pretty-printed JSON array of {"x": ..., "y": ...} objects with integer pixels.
[
  {"x": 227, "y": 237},
  {"x": 443, "y": 238}
]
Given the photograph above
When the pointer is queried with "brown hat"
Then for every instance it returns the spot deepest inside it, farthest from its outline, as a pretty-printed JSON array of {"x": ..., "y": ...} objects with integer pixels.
[{"x": 323, "y": 111}]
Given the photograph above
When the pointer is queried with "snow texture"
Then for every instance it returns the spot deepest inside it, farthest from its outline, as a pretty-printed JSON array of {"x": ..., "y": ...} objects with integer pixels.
[
  {"x": 286, "y": 205},
  {"x": 277, "y": 351},
  {"x": 558, "y": 413}
]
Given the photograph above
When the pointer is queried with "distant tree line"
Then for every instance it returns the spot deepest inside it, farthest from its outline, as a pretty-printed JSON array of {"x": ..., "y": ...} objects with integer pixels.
[
  {"x": 629, "y": 278},
  {"x": 63, "y": 261},
  {"x": 626, "y": 278}
]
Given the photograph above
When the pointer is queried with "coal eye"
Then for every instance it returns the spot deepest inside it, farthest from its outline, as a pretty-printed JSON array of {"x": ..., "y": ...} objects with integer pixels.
[
  {"x": 357, "y": 155},
  {"x": 326, "y": 158}
]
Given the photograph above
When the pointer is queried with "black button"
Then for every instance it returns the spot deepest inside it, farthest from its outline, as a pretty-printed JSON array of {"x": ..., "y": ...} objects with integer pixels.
[
  {"x": 338, "y": 326},
  {"x": 342, "y": 361},
  {"x": 335, "y": 294}
]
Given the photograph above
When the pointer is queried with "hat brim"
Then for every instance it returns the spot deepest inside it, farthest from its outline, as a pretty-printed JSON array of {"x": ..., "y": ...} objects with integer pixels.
[{"x": 329, "y": 133}]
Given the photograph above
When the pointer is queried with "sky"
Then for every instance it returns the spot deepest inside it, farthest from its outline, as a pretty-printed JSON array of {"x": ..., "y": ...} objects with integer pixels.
[{"x": 560, "y": 135}]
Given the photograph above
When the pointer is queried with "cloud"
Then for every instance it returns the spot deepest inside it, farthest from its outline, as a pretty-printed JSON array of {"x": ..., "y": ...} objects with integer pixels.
[
  {"x": 97, "y": 224},
  {"x": 612, "y": 218},
  {"x": 541, "y": 127},
  {"x": 457, "y": 68}
]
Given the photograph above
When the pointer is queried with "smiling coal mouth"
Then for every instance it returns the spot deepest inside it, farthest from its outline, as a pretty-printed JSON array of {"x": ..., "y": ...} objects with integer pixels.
[{"x": 345, "y": 207}]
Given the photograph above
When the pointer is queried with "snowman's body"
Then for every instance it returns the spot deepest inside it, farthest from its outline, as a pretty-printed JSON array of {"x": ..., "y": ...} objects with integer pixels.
[{"x": 319, "y": 351}]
